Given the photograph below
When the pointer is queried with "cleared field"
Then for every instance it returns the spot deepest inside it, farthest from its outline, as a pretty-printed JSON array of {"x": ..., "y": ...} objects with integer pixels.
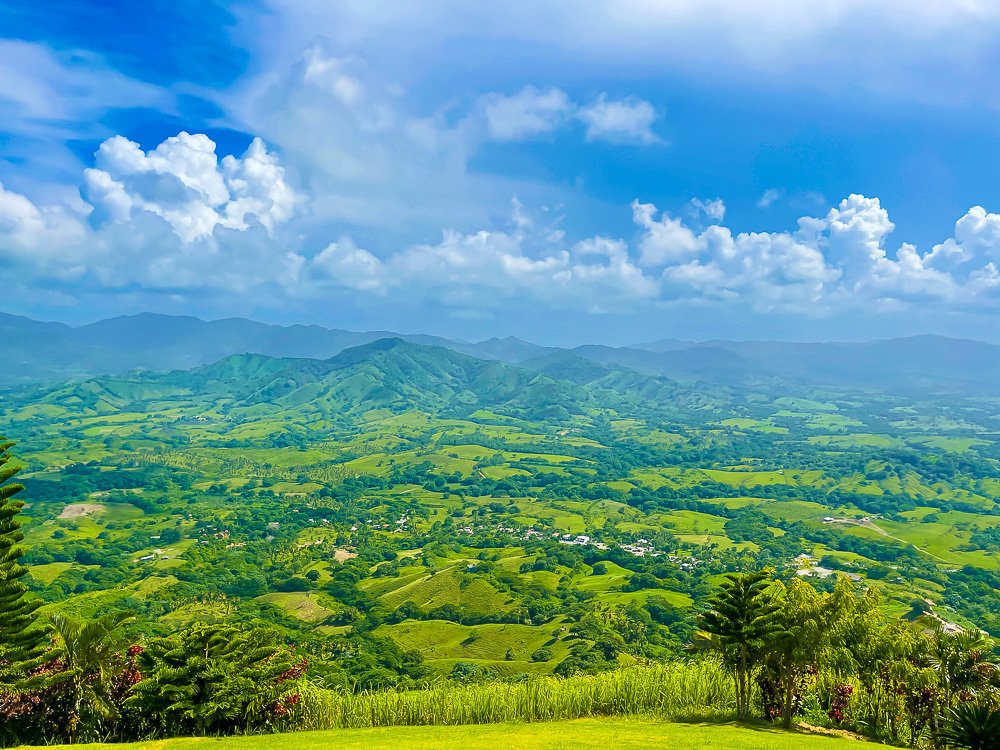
[
  {"x": 302, "y": 605},
  {"x": 91, "y": 603},
  {"x": 467, "y": 591},
  {"x": 443, "y": 640},
  {"x": 50, "y": 571},
  {"x": 765, "y": 478},
  {"x": 744, "y": 423},
  {"x": 857, "y": 439}
]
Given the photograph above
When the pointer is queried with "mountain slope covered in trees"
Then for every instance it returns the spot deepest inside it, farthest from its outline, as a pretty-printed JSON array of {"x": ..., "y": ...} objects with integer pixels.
[{"x": 163, "y": 342}]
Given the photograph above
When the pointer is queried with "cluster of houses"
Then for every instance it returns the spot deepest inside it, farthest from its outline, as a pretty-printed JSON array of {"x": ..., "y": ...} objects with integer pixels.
[
  {"x": 398, "y": 526},
  {"x": 641, "y": 548},
  {"x": 638, "y": 548},
  {"x": 689, "y": 562},
  {"x": 580, "y": 540},
  {"x": 500, "y": 528}
]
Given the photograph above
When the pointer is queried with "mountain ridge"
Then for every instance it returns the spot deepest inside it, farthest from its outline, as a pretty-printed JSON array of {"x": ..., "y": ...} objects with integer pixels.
[{"x": 55, "y": 352}]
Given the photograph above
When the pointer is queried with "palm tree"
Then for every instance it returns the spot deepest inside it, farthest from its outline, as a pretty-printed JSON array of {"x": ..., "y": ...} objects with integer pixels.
[
  {"x": 965, "y": 664},
  {"x": 972, "y": 727},
  {"x": 88, "y": 648},
  {"x": 741, "y": 623}
]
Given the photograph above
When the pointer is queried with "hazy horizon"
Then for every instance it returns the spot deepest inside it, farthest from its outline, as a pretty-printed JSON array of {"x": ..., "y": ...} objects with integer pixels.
[{"x": 564, "y": 344}]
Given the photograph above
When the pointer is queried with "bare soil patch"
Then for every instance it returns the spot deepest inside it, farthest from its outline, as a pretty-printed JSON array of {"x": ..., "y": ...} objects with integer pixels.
[{"x": 80, "y": 510}]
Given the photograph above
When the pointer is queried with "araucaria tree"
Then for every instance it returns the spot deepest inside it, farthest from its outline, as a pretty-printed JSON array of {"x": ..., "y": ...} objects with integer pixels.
[
  {"x": 742, "y": 623},
  {"x": 21, "y": 639}
]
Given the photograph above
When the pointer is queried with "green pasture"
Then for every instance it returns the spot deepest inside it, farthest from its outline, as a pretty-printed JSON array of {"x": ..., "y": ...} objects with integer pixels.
[{"x": 578, "y": 734}]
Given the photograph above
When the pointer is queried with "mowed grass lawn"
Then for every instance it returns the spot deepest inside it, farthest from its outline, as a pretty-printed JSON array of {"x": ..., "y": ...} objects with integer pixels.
[{"x": 620, "y": 734}]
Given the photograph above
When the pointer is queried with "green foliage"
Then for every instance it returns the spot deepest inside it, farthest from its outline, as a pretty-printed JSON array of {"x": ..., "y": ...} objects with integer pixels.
[
  {"x": 542, "y": 654},
  {"x": 400, "y": 509},
  {"x": 965, "y": 663},
  {"x": 21, "y": 640},
  {"x": 215, "y": 679},
  {"x": 742, "y": 621},
  {"x": 972, "y": 727},
  {"x": 806, "y": 622},
  {"x": 671, "y": 690},
  {"x": 87, "y": 650}
]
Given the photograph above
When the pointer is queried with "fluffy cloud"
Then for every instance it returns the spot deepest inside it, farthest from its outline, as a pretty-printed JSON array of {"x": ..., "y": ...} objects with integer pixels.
[
  {"x": 344, "y": 264},
  {"x": 178, "y": 221},
  {"x": 532, "y": 111},
  {"x": 713, "y": 209},
  {"x": 628, "y": 120},
  {"x": 527, "y": 113},
  {"x": 168, "y": 220},
  {"x": 829, "y": 262},
  {"x": 485, "y": 270},
  {"x": 35, "y": 237},
  {"x": 182, "y": 181},
  {"x": 768, "y": 198},
  {"x": 664, "y": 241}
]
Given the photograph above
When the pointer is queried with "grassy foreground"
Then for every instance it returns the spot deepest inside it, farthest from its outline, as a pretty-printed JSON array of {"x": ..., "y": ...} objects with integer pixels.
[{"x": 619, "y": 734}]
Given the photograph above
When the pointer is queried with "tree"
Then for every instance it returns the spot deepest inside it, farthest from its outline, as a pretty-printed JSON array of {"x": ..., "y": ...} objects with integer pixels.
[
  {"x": 973, "y": 727},
  {"x": 89, "y": 649},
  {"x": 21, "y": 639},
  {"x": 215, "y": 679},
  {"x": 795, "y": 651},
  {"x": 965, "y": 664},
  {"x": 742, "y": 620},
  {"x": 888, "y": 657}
]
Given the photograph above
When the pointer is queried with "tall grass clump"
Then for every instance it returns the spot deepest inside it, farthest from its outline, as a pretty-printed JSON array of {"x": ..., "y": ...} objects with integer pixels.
[{"x": 700, "y": 689}]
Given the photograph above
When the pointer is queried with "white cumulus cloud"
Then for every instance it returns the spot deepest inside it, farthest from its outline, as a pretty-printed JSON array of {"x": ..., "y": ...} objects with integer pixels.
[
  {"x": 527, "y": 113},
  {"x": 39, "y": 237},
  {"x": 182, "y": 181},
  {"x": 628, "y": 120},
  {"x": 177, "y": 220},
  {"x": 714, "y": 210}
]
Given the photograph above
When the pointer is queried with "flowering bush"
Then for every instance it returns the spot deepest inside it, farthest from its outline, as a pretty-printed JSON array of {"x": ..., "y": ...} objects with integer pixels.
[
  {"x": 838, "y": 704},
  {"x": 45, "y": 711}
]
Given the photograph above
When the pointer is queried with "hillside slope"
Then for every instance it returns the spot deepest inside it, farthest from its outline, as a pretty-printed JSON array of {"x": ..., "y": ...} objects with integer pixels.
[{"x": 384, "y": 374}]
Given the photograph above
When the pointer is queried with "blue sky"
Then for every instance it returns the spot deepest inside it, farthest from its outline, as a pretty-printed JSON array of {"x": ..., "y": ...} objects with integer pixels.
[{"x": 559, "y": 171}]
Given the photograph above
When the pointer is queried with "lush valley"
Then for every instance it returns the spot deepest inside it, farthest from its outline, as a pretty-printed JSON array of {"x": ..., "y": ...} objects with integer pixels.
[{"x": 403, "y": 512}]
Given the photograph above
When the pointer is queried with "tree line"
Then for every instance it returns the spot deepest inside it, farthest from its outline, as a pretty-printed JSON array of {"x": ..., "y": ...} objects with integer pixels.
[{"x": 786, "y": 645}]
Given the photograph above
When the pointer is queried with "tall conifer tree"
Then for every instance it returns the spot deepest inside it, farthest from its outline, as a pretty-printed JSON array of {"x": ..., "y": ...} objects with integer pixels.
[{"x": 21, "y": 638}]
